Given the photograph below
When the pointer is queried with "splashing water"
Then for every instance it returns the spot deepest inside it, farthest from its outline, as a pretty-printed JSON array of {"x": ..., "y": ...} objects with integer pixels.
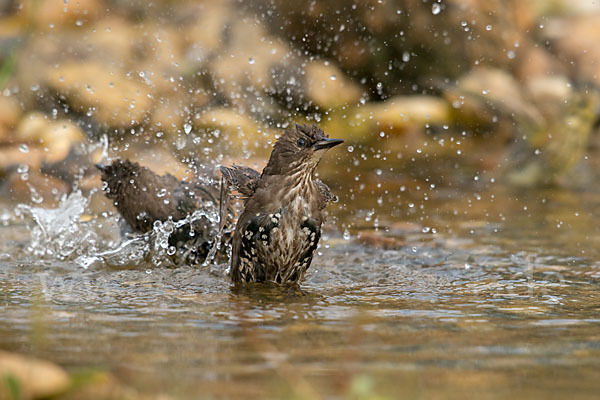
[
  {"x": 60, "y": 233},
  {"x": 66, "y": 233}
]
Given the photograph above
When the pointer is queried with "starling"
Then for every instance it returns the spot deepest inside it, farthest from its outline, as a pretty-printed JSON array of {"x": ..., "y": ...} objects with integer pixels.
[
  {"x": 142, "y": 197},
  {"x": 279, "y": 230}
]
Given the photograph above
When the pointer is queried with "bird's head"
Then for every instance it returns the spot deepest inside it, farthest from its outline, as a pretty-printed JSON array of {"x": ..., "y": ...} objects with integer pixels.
[{"x": 299, "y": 149}]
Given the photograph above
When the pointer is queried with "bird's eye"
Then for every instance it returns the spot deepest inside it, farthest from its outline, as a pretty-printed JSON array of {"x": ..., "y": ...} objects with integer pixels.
[{"x": 301, "y": 142}]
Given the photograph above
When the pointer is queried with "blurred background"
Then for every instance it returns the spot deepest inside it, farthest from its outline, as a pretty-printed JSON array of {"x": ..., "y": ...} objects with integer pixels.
[{"x": 500, "y": 89}]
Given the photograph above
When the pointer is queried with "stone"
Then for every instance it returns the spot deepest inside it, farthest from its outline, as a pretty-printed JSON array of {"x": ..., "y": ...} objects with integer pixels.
[
  {"x": 237, "y": 132},
  {"x": 208, "y": 34},
  {"x": 49, "y": 14},
  {"x": 37, "y": 188},
  {"x": 33, "y": 377},
  {"x": 328, "y": 87},
  {"x": 55, "y": 137},
  {"x": 105, "y": 93},
  {"x": 10, "y": 112},
  {"x": 399, "y": 112}
]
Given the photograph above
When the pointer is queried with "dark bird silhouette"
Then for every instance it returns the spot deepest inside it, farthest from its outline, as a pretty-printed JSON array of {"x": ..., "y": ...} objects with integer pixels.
[
  {"x": 142, "y": 197},
  {"x": 280, "y": 227}
]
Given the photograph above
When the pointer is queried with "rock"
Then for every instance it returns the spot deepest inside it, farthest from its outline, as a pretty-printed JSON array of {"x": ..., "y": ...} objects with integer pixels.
[
  {"x": 208, "y": 34},
  {"x": 10, "y": 112},
  {"x": 112, "y": 38},
  {"x": 399, "y": 112},
  {"x": 328, "y": 87},
  {"x": 56, "y": 137},
  {"x": 169, "y": 115},
  {"x": 37, "y": 188},
  {"x": 159, "y": 160},
  {"x": 105, "y": 93},
  {"x": 49, "y": 14},
  {"x": 13, "y": 156},
  {"x": 33, "y": 378},
  {"x": 378, "y": 241},
  {"x": 33, "y": 127},
  {"x": 537, "y": 62},
  {"x": 575, "y": 42},
  {"x": 248, "y": 59},
  {"x": 236, "y": 132},
  {"x": 485, "y": 94},
  {"x": 163, "y": 62},
  {"x": 565, "y": 7}
]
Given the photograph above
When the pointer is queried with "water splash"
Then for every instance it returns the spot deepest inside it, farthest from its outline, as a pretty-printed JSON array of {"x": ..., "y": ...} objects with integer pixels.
[{"x": 61, "y": 232}]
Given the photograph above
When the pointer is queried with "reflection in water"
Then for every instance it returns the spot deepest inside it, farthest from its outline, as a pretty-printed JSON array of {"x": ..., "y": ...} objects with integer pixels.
[{"x": 506, "y": 288}]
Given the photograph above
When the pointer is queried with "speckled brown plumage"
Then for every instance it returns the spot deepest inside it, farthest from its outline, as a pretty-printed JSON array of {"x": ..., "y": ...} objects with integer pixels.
[
  {"x": 280, "y": 227},
  {"x": 143, "y": 197}
]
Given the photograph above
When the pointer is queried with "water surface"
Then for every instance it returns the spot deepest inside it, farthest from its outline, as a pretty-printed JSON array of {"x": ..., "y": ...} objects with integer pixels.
[{"x": 418, "y": 292}]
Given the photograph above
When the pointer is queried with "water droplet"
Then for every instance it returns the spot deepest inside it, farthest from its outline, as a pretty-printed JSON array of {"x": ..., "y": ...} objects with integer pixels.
[
  {"x": 347, "y": 235},
  {"x": 333, "y": 77},
  {"x": 406, "y": 56},
  {"x": 187, "y": 128},
  {"x": 435, "y": 8},
  {"x": 511, "y": 55},
  {"x": 35, "y": 88},
  {"x": 24, "y": 148},
  {"x": 251, "y": 60},
  {"x": 79, "y": 22}
]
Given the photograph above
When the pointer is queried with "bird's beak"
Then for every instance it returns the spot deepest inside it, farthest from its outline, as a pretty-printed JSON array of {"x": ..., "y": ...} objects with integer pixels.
[{"x": 327, "y": 143}]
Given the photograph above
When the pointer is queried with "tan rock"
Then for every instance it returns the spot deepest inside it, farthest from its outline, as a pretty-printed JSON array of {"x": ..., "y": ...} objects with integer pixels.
[
  {"x": 48, "y": 14},
  {"x": 159, "y": 160},
  {"x": 576, "y": 40},
  {"x": 55, "y": 137},
  {"x": 38, "y": 188},
  {"x": 485, "y": 89},
  {"x": 206, "y": 36},
  {"x": 248, "y": 59},
  {"x": 237, "y": 131},
  {"x": 59, "y": 139},
  {"x": 105, "y": 93},
  {"x": 10, "y": 111},
  {"x": 169, "y": 115},
  {"x": 537, "y": 62},
  {"x": 11, "y": 156},
  {"x": 35, "y": 378},
  {"x": 401, "y": 111},
  {"x": 328, "y": 87},
  {"x": 112, "y": 38},
  {"x": 33, "y": 127}
]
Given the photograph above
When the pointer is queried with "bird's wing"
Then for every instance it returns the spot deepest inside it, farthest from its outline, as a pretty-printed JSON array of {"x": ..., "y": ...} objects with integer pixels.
[
  {"x": 241, "y": 179},
  {"x": 326, "y": 195},
  {"x": 245, "y": 264}
]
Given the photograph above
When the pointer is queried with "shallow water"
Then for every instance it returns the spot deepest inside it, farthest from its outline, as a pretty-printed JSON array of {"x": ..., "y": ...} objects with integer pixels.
[{"x": 481, "y": 292}]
